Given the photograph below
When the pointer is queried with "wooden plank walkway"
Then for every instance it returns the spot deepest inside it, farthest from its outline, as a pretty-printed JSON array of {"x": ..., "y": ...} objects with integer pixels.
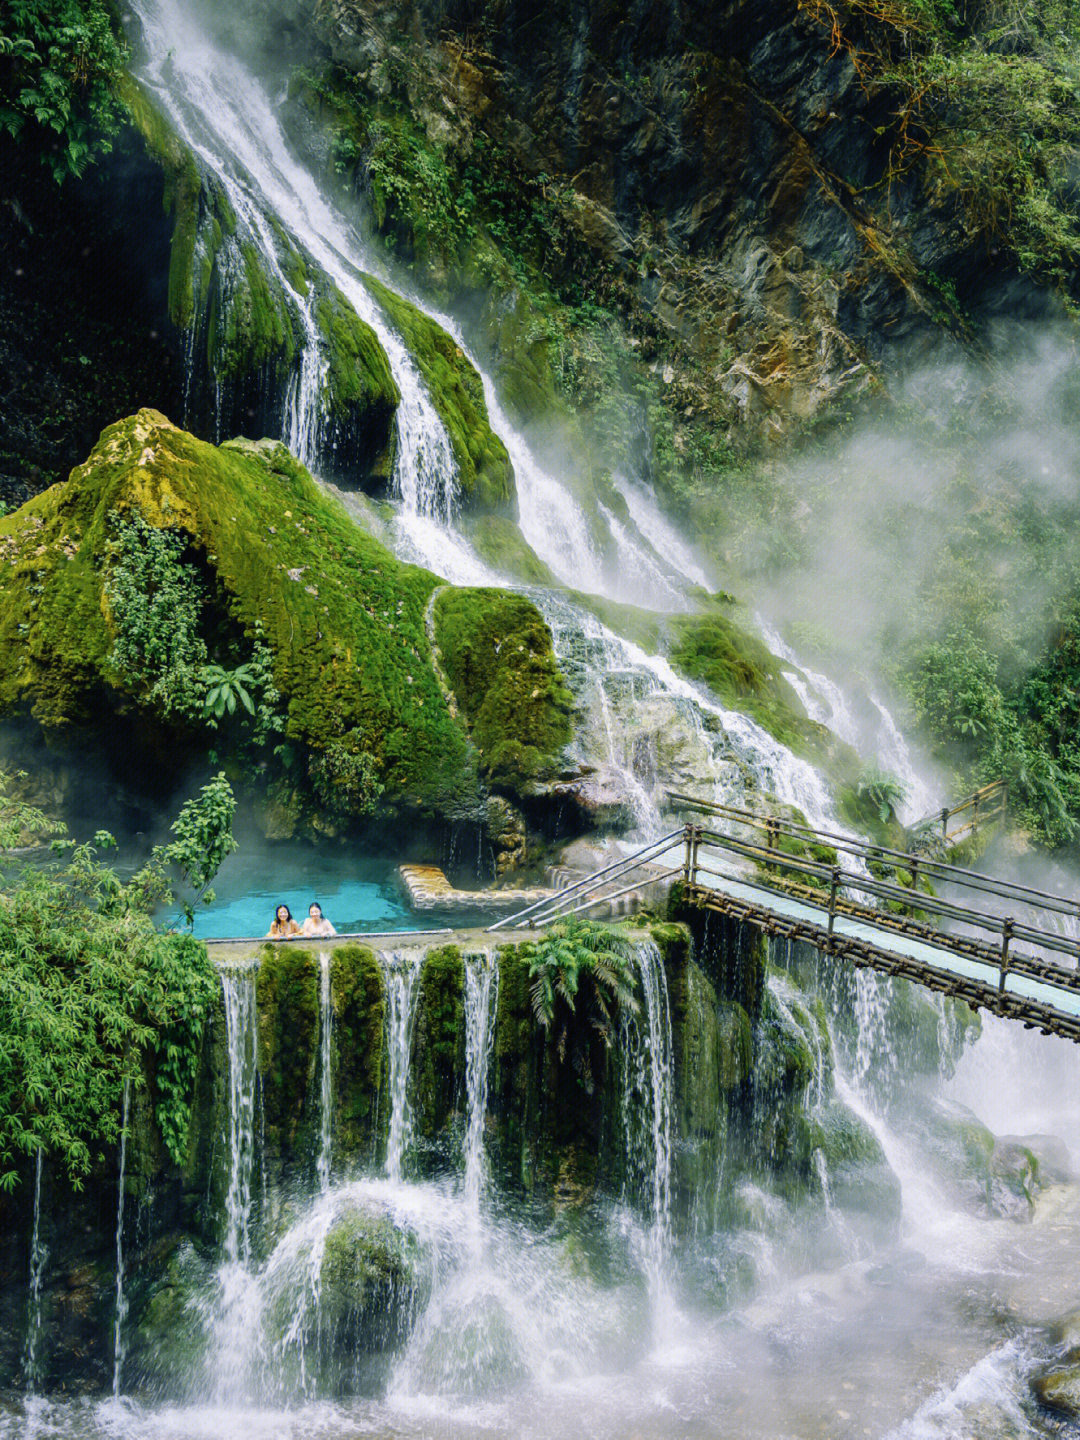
[{"x": 881, "y": 909}]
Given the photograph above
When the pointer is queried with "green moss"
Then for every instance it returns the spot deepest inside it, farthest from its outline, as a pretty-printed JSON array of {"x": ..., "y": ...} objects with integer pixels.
[
  {"x": 498, "y": 657},
  {"x": 360, "y": 386},
  {"x": 499, "y": 542},
  {"x": 287, "y": 996},
  {"x": 343, "y": 618},
  {"x": 183, "y": 191},
  {"x": 359, "y": 1000},
  {"x": 484, "y": 470},
  {"x": 743, "y": 673},
  {"x": 438, "y": 1058}
]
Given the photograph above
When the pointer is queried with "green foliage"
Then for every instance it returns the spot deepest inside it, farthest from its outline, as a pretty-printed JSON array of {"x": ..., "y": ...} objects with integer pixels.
[
  {"x": 58, "y": 62},
  {"x": 92, "y": 995},
  {"x": 997, "y": 730},
  {"x": 157, "y": 603},
  {"x": 986, "y": 105},
  {"x": 498, "y": 656},
  {"x": 581, "y": 975},
  {"x": 344, "y": 781},
  {"x": 882, "y": 791}
]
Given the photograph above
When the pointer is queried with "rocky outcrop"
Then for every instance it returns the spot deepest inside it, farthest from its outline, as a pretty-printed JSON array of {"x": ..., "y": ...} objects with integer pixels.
[
  {"x": 165, "y": 567},
  {"x": 724, "y": 173}
]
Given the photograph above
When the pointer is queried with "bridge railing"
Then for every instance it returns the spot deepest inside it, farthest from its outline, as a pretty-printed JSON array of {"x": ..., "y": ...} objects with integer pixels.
[
  {"x": 981, "y": 808},
  {"x": 916, "y": 866}
]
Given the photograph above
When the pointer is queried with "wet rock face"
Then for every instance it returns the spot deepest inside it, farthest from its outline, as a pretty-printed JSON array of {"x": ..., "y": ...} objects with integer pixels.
[{"x": 723, "y": 161}]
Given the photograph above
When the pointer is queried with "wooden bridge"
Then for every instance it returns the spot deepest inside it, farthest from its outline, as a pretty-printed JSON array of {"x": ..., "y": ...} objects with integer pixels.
[{"x": 999, "y": 946}]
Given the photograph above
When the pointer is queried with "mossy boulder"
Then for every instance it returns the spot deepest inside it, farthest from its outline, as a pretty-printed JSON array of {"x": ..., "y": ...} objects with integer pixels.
[
  {"x": 279, "y": 560},
  {"x": 861, "y": 1183},
  {"x": 498, "y": 657},
  {"x": 485, "y": 474},
  {"x": 373, "y": 1281}
]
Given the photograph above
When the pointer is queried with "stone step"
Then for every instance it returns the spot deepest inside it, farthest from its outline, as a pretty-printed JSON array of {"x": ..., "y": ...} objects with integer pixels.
[{"x": 428, "y": 889}]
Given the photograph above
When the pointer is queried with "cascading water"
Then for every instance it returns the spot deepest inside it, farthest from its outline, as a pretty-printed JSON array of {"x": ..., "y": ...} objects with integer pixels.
[
  {"x": 481, "y": 1001},
  {"x": 401, "y": 970},
  {"x": 121, "y": 1297},
  {"x": 235, "y": 1299},
  {"x": 326, "y": 1072},
  {"x": 655, "y": 729},
  {"x": 38, "y": 1255},
  {"x": 647, "y": 1088}
]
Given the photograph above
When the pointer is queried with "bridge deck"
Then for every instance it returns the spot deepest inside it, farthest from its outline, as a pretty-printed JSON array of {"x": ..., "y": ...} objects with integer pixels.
[{"x": 1051, "y": 1005}]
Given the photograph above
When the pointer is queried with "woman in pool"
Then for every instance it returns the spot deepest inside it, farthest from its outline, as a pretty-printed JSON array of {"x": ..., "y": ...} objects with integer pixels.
[
  {"x": 284, "y": 925},
  {"x": 316, "y": 923}
]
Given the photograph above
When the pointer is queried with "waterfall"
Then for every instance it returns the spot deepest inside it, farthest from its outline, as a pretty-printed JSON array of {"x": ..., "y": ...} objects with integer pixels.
[
  {"x": 647, "y": 1091},
  {"x": 481, "y": 1004},
  {"x": 38, "y": 1256},
  {"x": 401, "y": 968},
  {"x": 653, "y": 728},
  {"x": 326, "y": 1074},
  {"x": 237, "y": 1304},
  {"x": 121, "y": 1298},
  {"x": 224, "y": 114}
]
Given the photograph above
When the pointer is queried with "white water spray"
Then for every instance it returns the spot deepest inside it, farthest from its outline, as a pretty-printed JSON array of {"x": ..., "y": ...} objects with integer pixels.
[
  {"x": 402, "y": 967},
  {"x": 121, "y": 1297}
]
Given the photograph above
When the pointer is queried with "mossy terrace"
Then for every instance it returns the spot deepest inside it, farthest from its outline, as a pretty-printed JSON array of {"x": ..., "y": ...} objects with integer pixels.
[{"x": 343, "y": 619}]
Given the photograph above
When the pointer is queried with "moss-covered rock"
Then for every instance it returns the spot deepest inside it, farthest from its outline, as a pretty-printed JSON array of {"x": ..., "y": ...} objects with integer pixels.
[
  {"x": 437, "y": 1072},
  {"x": 287, "y": 996},
  {"x": 344, "y": 622},
  {"x": 373, "y": 1281},
  {"x": 485, "y": 474},
  {"x": 498, "y": 658},
  {"x": 361, "y": 396},
  {"x": 358, "y": 996}
]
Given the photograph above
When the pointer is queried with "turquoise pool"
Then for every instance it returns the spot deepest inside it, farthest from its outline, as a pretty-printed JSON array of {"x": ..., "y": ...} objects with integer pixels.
[{"x": 356, "y": 893}]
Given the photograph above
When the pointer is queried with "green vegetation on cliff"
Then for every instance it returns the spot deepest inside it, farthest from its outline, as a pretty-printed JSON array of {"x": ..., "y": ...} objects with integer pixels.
[
  {"x": 497, "y": 654},
  {"x": 275, "y": 586}
]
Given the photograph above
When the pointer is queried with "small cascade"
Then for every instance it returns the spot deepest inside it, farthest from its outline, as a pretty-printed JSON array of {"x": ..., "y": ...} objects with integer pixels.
[
  {"x": 648, "y": 1081},
  {"x": 481, "y": 1004},
  {"x": 237, "y": 1298},
  {"x": 401, "y": 969},
  {"x": 121, "y": 1297},
  {"x": 872, "y": 731},
  {"x": 653, "y": 729},
  {"x": 38, "y": 1256},
  {"x": 817, "y": 1092},
  {"x": 326, "y": 1073}
]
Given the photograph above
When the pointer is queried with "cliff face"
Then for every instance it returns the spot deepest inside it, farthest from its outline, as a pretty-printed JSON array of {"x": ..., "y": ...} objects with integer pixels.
[{"x": 729, "y": 170}]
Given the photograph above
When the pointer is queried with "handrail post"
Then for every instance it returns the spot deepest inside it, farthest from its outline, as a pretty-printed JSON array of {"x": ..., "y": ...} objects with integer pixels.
[
  {"x": 914, "y": 868},
  {"x": 834, "y": 882},
  {"x": 945, "y": 823},
  {"x": 695, "y": 841},
  {"x": 975, "y": 813},
  {"x": 689, "y": 868},
  {"x": 1006, "y": 936}
]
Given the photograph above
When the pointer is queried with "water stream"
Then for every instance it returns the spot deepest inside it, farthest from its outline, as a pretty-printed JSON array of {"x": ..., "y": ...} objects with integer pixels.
[
  {"x": 326, "y": 1072},
  {"x": 402, "y": 969},
  {"x": 121, "y": 1296},
  {"x": 510, "y": 1329}
]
